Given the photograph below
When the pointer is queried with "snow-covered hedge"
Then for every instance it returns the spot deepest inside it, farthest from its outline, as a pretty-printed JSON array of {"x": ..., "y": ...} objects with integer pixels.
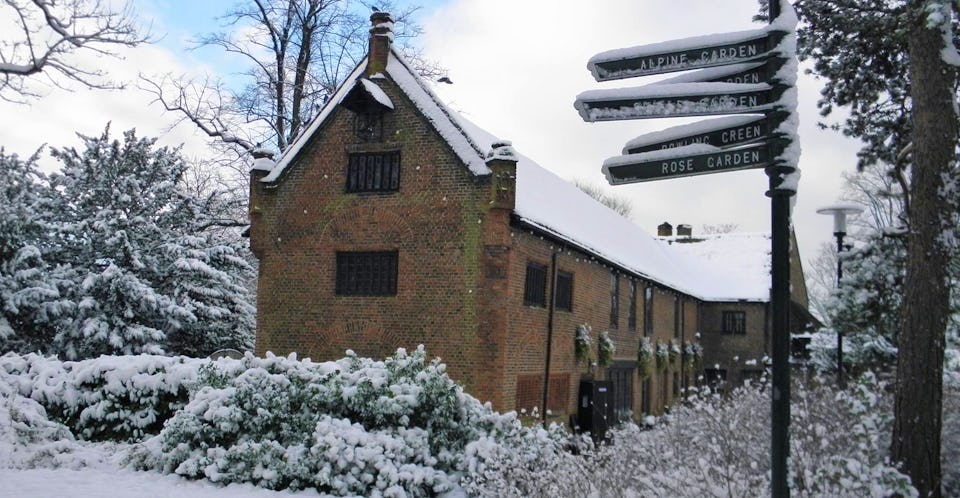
[
  {"x": 111, "y": 398},
  {"x": 399, "y": 427}
]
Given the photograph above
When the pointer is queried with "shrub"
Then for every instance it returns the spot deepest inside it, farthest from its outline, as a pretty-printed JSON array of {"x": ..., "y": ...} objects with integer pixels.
[
  {"x": 582, "y": 343},
  {"x": 351, "y": 427},
  {"x": 605, "y": 349},
  {"x": 111, "y": 398}
]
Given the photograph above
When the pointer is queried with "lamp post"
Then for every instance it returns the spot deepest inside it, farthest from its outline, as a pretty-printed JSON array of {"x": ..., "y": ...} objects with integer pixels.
[{"x": 840, "y": 212}]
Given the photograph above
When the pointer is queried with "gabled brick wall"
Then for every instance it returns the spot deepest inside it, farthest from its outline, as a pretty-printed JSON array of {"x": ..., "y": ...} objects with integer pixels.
[{"x": 435, "y": 221}]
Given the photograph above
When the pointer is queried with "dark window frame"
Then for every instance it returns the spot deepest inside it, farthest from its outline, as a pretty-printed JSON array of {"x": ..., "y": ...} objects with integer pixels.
[
  {"x": 564, "y": 299},
  {"x": 648, "y": 311},
  {"x": 632, "y": 313},
  {"x": 614, "y": 301},
  {"x": 734, "y": 322},
  {"x": 372, "y": 172},
  {"x": 366, "y": 273},
  {"x": 535, "y": 285},
  {"x": 677, "y": 317}
]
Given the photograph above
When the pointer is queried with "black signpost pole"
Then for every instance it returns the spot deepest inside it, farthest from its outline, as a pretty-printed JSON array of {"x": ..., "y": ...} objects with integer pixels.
[
  {"x": 716, "y": 146},
  {"x": 780, "y": 298}
]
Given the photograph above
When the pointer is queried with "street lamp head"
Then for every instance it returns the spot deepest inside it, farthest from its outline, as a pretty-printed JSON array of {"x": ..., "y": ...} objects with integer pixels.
[{"x": 840, "y": 212}]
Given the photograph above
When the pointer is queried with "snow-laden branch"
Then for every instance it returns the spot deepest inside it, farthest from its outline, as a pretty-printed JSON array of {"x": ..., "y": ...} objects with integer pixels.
[{"x": 46, "y": 36}]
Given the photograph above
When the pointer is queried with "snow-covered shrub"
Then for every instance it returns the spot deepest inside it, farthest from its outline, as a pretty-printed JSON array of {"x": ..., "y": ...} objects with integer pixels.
[
  {"x": 115, "y": 398},
  {"x": 717, "y": 446},
  {"x": 675, "y": 352},
  {"x": 356, "y": 426},
  {"x": 644, "y": 357},
  {"x": 582, "y": 343},
  {"x": 663, "y": 356},
  {"x": 605, "y": 349},
  {"x": 524, "y": 462},
  {"x": 28, "y": 439}
]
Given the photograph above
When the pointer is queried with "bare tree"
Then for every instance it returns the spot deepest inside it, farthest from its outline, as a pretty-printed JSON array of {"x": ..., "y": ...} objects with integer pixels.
[
  {"x": 298, "y": 53},
  {"x": 46, "y": 36},
  {"x": 620, "y": 204}
]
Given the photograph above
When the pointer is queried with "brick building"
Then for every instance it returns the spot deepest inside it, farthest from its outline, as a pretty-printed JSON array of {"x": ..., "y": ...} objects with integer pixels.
[{"x": 393, "y": 221}]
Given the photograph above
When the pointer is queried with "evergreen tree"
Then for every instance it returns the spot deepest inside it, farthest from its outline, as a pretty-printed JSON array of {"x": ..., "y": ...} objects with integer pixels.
[
  {"x": 123, "y": 260},
  {"x": 892, "y": 63},
  {"x": 31, "y": 291}
]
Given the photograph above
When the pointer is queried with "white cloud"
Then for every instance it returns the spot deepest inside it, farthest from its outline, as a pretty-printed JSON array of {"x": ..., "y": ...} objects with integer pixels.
[
  {"x": 518, "y": 66},
  {"x": 58, "y": 115}
]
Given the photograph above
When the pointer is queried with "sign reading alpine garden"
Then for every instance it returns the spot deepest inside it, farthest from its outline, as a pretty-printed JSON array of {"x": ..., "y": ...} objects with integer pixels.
[{"x": 752, "y": 76}]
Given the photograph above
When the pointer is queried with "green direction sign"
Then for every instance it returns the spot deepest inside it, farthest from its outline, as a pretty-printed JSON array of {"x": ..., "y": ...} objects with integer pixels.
[
  {"x": 601, "y": 105},
  {"x": 698, "y": 53},
  {"x": 622, "y": 170},
  {"x": 722, "y": 135}
]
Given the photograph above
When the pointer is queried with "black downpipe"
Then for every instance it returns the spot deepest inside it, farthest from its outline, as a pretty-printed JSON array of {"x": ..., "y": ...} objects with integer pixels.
[{"x": 550, "y": 312}]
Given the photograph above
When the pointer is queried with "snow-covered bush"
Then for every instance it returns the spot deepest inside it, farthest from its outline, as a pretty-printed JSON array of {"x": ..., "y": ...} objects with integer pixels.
[
  {"x": 582, "y": 343},
  {"x": 644, "y": 357},
  {"x": 356, "y": 426},
  {"x": 663, "y": 356},
  {"x": 605, "y": 349},
  {"x": 115, "y": 398},
  {"x": 718, "y": 446}
]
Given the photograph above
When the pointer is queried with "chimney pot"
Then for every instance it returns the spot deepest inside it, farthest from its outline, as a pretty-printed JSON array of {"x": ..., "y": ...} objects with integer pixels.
[{"x": 665, "y": 230}]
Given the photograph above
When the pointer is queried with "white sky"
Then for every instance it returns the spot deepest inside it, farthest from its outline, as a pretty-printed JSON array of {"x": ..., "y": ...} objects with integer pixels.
[{"x": 516, "y": 68}]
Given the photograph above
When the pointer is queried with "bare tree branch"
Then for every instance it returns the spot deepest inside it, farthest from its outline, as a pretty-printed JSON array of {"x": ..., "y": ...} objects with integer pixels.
[{"x": 49, "y": 35}]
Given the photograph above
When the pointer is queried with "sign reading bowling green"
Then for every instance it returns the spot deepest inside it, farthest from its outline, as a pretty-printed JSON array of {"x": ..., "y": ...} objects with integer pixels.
[
  {"x": 692, "y": 53},
  {"x": 637, "y": 168},
  {"x": 723, "y": 132}
]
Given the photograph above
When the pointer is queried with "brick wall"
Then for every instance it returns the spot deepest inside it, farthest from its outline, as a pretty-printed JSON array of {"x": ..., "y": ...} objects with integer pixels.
[{"x": 435, "y": 222}]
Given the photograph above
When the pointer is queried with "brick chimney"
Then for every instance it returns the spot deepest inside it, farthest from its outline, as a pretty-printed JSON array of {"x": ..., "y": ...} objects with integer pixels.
[
  {"x": 502, "y": 161},
  {"x": 262, "y": 164},
  {"x": 684, "y": 230},
  {"x": 665, "y": 230},
  {"x": 381, "y": 36}
]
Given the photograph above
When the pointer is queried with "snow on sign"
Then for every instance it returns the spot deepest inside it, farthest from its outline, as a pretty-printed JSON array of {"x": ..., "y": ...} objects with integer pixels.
[
  {"x": 677, "y": 100},
  {"x": 681, "y": 55},
  {"x": 748, "y": 74},
  {"x": 720, "y": 132},
  {"x": 689, "y": 160}
]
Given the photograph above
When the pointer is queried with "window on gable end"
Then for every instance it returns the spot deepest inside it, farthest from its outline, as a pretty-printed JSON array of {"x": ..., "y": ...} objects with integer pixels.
[
  {"x": 366, "y": 273},
  {"x": 373, "y": 172}
]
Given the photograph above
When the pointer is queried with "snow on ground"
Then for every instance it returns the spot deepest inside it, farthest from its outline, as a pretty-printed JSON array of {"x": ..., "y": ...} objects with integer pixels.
[{"x": 103, "y": 482}]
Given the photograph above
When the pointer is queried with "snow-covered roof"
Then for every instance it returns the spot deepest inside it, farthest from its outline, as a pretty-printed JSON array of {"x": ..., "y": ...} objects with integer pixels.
[
  {"x": 550, "y": 204},
  {"x": 745, "y": 256}
]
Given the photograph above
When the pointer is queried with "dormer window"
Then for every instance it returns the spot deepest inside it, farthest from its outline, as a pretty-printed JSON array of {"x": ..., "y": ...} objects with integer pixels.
[{"x": 368, "y": 102}]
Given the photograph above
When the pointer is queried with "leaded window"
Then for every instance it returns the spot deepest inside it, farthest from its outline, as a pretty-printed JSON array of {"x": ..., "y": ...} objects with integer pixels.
[
  {"x": 367, "y": 273},
  {"x": 373, "y": 172}
]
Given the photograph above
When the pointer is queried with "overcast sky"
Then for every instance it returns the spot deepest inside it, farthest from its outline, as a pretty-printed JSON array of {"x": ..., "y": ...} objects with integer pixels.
[{"x": 516, "y": 68}]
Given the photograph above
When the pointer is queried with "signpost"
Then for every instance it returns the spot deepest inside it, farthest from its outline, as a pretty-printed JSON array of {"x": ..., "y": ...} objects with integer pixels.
[
  {"x": 737, "y": 73},
  {"x": 635, "y": 168},
  {"x": 678, "y": 100},
  {"x": 692, "y": 53},
  {"x": 724, "y": 132}
]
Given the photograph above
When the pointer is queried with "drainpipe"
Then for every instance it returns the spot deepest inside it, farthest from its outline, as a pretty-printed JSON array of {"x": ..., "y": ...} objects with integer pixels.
[{"x": 550, "y": 312}]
